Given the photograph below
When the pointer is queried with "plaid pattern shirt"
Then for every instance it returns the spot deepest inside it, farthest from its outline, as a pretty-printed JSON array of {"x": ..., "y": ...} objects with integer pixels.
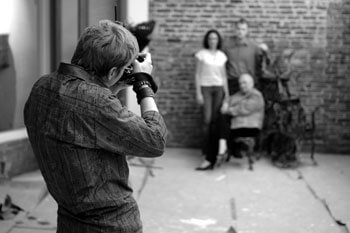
[{"x": 81, "y": 134}]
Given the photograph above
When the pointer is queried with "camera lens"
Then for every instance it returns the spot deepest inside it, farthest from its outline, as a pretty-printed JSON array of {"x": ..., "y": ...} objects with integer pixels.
[{"x": 140, "y": 58}]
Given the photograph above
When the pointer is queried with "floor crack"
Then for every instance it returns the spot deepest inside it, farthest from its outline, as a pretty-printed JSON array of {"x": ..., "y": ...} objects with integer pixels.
[
  {"x": 341, "y": 224},
  {"x": 148, "y": 164}
]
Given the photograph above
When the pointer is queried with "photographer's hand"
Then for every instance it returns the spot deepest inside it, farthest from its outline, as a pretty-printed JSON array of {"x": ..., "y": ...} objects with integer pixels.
[
  {"x": 145, "y": 66},
  {"x": 144, "y": 85}
]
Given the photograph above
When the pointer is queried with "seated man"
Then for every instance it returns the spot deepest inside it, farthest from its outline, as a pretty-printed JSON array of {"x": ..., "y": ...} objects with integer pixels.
[{"x": 246, "y": 111}]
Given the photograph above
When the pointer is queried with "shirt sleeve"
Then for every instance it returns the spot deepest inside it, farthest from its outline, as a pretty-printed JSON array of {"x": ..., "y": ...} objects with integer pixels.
[
  {"x": 258, "y": 54},
  {"x": 199, "y": 55},
  {"x": 123, "y": 132},
  {"x": 246, "y": 106},
  {"x": 224, "y": 57}
]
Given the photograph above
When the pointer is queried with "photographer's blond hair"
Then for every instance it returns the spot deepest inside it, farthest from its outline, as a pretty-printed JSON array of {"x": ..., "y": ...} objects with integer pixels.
[{"x": 105, "y": 46}]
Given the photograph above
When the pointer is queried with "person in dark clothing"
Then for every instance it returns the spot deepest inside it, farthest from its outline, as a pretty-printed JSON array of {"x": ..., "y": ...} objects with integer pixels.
[
  {"x": 81, "y": 134},
  {"x": 244, "y": 57}
]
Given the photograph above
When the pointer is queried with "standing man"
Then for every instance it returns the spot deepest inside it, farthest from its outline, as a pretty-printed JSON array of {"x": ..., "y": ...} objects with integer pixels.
[
  {"x": 244, "y": 57},
  {"x": 80, "y": 133}
]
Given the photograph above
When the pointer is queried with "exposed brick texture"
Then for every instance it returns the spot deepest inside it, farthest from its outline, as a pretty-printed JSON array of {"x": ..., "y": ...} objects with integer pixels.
[{"x": 316, "y": 31}]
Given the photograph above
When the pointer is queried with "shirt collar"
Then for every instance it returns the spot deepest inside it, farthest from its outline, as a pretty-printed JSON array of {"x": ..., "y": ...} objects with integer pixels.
[
  {"x": 78, "y": 72},
  {"x": 73, "y": 70},
  {"x": 242, "y": 42}
]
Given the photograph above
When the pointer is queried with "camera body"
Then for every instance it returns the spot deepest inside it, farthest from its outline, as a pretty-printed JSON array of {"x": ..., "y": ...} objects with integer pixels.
[{"x": 127, "y": 76}]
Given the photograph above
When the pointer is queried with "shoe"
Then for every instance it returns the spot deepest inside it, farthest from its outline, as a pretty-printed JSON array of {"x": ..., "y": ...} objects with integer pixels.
[
  {"x": 209, "y": 167},
  {"x": 221, "y": 158},
  {"x": 206, "y": 165}
]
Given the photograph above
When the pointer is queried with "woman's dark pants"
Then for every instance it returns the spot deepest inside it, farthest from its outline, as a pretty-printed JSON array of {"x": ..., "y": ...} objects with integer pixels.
[{"x": 213, "y": 97}]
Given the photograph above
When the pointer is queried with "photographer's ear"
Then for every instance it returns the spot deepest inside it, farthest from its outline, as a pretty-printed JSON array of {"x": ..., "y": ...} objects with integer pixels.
[{"x": 113, "y": 76}]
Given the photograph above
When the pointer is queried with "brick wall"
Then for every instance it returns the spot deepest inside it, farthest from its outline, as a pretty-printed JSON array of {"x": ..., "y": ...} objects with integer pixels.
[{"x": 316, "y": 31}]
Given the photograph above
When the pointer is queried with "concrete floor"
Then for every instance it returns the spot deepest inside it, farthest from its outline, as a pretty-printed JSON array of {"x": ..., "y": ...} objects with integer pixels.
[{"x": 174, "y": 198}]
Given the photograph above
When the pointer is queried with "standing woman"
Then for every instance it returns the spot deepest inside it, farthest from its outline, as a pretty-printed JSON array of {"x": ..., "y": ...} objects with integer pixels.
[{"x": 211, "y": 88}]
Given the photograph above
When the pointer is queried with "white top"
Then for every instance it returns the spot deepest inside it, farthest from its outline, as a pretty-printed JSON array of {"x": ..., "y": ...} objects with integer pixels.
[{"x": 212, "y": 67}]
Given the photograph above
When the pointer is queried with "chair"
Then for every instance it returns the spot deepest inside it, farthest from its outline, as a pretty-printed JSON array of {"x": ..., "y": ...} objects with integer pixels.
[
  {"x": 247, "y": 145},
  {"x": 243, "y": 146},
  {"x": 285, "y": 124}
]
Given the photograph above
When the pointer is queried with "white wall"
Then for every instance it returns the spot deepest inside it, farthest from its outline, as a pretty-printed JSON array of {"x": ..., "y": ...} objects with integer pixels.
[
  {"x": 26, "y": 22},
  {"x": 137, "y": 11},
  {"x": 29, "y": 40},
  {"x": 24, "y": 45},
  {"x": 5, "y": 16}
]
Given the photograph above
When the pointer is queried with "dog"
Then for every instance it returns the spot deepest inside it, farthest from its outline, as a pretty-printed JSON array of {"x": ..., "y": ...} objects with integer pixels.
[
  {"x": 282, "y": 149},
  {"x": 283, "y": 143}
]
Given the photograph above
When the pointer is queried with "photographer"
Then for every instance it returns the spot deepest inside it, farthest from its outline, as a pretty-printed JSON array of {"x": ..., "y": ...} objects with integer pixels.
[{"x": 81, "y": 134}]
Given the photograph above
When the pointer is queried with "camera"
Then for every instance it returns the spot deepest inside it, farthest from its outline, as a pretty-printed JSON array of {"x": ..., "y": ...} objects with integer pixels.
[
  {"x": 127, "y": 76},
  {"x": 142, "y": 32}
]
